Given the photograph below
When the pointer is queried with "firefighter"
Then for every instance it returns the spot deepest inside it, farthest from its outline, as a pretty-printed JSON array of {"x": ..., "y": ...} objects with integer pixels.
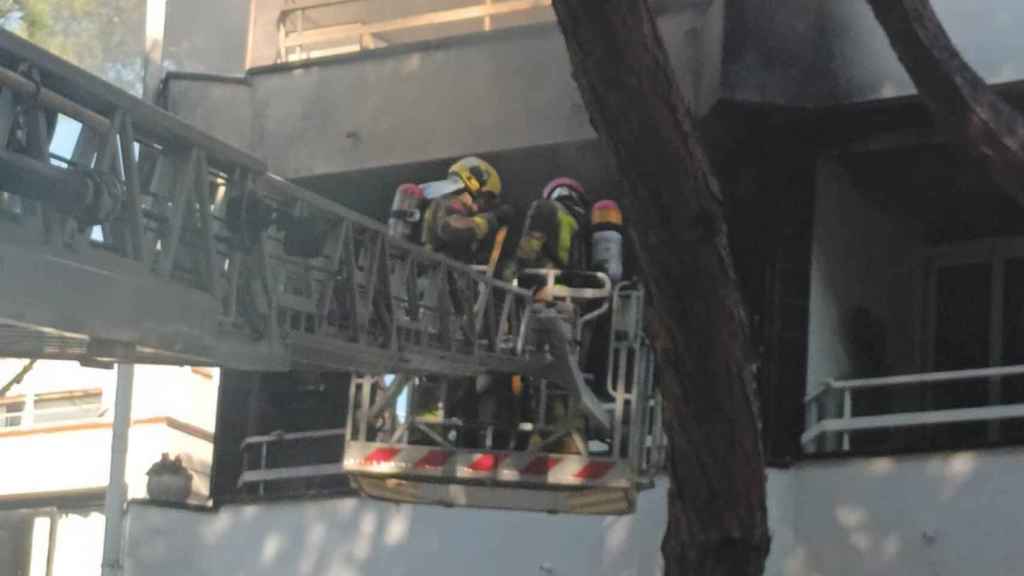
[
  {"x": 464, "y": 210},
  {"x": 453, "y": 216},
  {"x": 554, "y": 236},
  {"x": 460, "y": 214},
  {"x": 554, "y": 231}
]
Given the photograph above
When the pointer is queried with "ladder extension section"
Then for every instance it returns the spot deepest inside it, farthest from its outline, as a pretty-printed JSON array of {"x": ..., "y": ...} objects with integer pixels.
[{"x": 156, "y": 234}]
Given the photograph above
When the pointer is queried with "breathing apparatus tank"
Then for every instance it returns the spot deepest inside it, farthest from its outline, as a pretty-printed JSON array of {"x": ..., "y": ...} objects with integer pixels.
[
  {"x": 606, "y": 239},
  {"x": 406, "y": 212}
]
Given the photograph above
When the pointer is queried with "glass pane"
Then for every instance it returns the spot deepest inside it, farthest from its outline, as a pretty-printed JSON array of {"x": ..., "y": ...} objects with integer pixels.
[
  {"x": 64, "y": 409},
  {"x": 962, "y": 309},
  {"x": 963, "y": 302},
  {"x": 10, "y": 414}
]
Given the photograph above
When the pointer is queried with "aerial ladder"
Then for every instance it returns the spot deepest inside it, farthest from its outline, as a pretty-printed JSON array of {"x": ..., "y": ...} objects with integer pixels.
[{"x": 154, "y": 242}]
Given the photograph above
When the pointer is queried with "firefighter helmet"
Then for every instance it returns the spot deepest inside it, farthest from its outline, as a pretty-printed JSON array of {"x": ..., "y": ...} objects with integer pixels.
[
  {"x": 569, "y": 193},
  {"x": 477, "y": 175}
]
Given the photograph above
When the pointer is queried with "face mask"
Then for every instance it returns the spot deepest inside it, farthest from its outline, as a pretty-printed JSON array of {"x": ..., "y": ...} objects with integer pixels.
[
  {"x": 568, "y": 198},
  {"x": 439, "y": 188}
]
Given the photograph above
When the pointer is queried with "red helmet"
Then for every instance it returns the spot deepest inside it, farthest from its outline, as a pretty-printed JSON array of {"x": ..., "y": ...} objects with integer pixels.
[
  {"x": 570, "y": 194},
  {"x": 572, "y": 185}
]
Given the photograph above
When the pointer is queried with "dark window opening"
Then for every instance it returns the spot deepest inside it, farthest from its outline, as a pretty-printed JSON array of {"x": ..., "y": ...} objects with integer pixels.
[{"x": 273, "y": 428}]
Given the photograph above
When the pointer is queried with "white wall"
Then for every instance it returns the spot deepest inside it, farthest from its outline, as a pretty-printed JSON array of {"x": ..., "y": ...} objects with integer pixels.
[
  {"x": 945, "y": 514},
  {"x": 55, "y": 462},
  {"x": 781, "y": 521},
  {"x": 175, "y": 392},
  {"x": 80, "y": 459},
  {"x": 860, "y": 257},
  {"x": 355, "y": 536}
]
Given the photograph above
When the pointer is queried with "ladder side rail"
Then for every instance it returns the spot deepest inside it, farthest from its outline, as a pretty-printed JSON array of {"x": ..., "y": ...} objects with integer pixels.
[
  {"x": 399, "y": 295},
  {"x": 266, "y": 279},
  {"x": 112, "y": 142},
  {"x": 351, "y": 288},
  {"x": 418, "y": 317},
  {"x": 156, "y": 219},
  {"x": 379, "y": 291},
  {"x": 629, "y": 307},
  {"x": 617, "y": 374},
  {"x": 354, "y": 412},
  {"x": 639, "y": 411},
  {"x": 92, "y": 94},
  {"x": 386, "y": 296},
  {"x": 334, "y": 259},
  {"x": 108, "y": 163},
  {"x": 366, "y": 383},
  {"x": 182, "y": 195},
  {"x": 274, "y": 185},
  {"x": 419, "y": 312},
  {"x": 8, "y": 110},
  {"x": 204, "y": 204},
  {"x": 506, "y": 322},
  {"x": 60, "y": 90},
  {"x": 375, "y": 255},
  {"x": 133, "y": 197},
  {"x": 237, "y": 188},
  {"x": 442, "y": 294},
  {"x": 38, "y": 138},
  {"x": 654, "y": 453},
  {"x": 8, "y": 116},
  {"x": 85, "y": 153}
]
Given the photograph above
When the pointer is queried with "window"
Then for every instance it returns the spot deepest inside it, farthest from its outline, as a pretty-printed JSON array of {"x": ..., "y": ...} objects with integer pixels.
[
  {"x": 32, "y": 410},
  {"x": 41, "y": 542},
  {"x": 60, "y": 409},
  {"x": 25, "y": 541},
  {"x": 969, "y": 388},
  {"x": 10, "y": 413}
]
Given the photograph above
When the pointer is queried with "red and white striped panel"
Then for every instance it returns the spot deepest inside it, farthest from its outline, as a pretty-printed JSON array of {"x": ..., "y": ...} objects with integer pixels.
[
  {"x": 527, "y": 498},
  {"x": 496, "y": 465}
]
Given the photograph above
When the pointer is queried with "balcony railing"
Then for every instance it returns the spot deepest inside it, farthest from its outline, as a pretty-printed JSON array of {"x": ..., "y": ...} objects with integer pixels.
[
  {"x": 299, "y": 38},
  {"x": 839, "y": 394},
  {"x": 260, "y": 469},
  {"x": 33, "y": 410}
]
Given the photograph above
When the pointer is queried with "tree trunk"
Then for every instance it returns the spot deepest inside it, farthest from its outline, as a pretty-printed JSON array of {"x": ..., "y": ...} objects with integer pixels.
[
  {"x": 963, "y": 106},
  {"x": 717, "y": 512}
]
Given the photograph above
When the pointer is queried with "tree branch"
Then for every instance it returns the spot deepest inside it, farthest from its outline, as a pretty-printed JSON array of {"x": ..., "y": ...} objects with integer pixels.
[{"x": 963, "y": 105}]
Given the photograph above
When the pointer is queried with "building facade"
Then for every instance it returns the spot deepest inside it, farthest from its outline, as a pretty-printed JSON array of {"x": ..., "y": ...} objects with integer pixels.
[
  {"x": 881, "y": 269},
  {"x": 55, "y": 434}
]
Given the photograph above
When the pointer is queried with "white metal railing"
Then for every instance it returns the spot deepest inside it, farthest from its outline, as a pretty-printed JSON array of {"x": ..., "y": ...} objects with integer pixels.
[
  {"x": 258, "y": 471},
  {"x": 841, "y": 392},
  {"x": 299, "y": 39}
]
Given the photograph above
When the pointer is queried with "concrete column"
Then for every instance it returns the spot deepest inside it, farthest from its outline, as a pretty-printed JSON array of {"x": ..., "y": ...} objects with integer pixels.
[{"x": 113, "y": 505}]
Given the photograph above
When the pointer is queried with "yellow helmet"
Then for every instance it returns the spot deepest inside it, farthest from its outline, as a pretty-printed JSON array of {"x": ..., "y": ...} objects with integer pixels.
[{"x": 477, "y": 175}]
